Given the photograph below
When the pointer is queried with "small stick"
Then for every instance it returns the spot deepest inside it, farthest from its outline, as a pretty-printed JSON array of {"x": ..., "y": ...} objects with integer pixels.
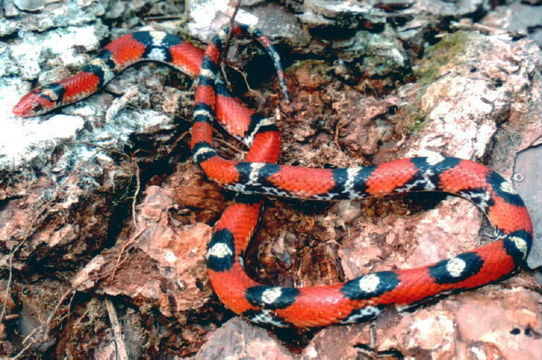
[
  {"x": 122, "y": 354},
  {"x": 230, "y": 34}
]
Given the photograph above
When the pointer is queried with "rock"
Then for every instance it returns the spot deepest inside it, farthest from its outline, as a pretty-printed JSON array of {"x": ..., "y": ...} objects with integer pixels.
[
  {"x": 66, "y": 178},
  {"x": 452, "y": 329},
  {"x": 330, "y": 15},
  {"x": 526, "y": 172},
  {"x": 358, "y": 133},
  {"x": 239, "y": 339},
  {"x": 78, "y": 151},
  {"x": 31, "y": 5},
  {"x": 53, "y": 14},
  {"x": 103, "y": 329},
  {"x": 165, "y": 266},
  {"x": 517, "y": 18}
]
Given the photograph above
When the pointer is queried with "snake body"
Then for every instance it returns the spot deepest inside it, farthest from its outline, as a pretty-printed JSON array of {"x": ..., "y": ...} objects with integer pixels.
[{"x": 357, "y": 300}]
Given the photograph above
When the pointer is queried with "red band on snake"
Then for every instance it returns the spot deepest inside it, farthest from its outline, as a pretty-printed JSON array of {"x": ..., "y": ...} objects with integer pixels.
[{"x": 357, "y": 300}]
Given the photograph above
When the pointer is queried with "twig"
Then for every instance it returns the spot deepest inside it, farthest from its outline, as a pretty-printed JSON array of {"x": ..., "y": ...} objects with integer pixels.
[
  {"x": 137, "y": 229},
  {"x": 164, "y": 18},
  {"x": 123, "y": 250},
  {"x": 137, "y": 190},
  {"x": 122, "y": 354},
  {"x": 338, "y": 129},
  {"x": 225, "y": 48},
  {"x": 57, "y": 306},
  {"x": 23, "y": 350},
  {"x": 176, "y": 142},
  {"x": 467, "y": 25},
  {"x": 10, "y": 278},
  {"x": 230, "y": 34},
  {"x": 231, "y": 149},
  {"x": 29, "y": 230},
  {"x": 247, "y": 84},
  {"x": 43, "y": 329}
]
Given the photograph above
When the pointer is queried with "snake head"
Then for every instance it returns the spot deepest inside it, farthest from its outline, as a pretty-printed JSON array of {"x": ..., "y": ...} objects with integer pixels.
[{"x": 36, "y": 102}]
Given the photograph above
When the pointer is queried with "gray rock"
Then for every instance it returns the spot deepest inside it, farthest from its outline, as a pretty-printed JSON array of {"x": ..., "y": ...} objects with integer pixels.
[{"x": 517, "y": 18}]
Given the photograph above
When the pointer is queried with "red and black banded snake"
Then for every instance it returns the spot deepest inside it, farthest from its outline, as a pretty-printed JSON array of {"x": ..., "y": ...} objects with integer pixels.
[{"x": 357, "y": 300}]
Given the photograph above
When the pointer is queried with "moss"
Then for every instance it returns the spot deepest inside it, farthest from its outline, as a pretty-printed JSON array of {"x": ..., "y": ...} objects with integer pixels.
[
  {"x": 414, "y": 120},
  {"x": 449, "y": 50},
  {"x": 416, "y": 123}
]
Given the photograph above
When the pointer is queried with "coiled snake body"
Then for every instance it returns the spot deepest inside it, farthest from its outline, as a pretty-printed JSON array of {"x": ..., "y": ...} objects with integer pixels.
[{"x": 356, "y": 300}]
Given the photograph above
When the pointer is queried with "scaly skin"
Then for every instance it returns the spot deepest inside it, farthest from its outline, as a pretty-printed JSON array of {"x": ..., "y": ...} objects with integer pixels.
[{"x": 357, "y": 300}]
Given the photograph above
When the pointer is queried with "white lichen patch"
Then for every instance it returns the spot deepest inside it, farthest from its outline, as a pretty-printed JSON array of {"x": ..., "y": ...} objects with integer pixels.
[
  {"x": 209, "y": 16},
  {"x": 65, "y": 44},
  {"x": 22, "y": 141}
]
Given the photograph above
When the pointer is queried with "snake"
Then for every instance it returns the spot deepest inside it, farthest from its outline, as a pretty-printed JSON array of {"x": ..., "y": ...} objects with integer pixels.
[{"x": 258, "y": 175}]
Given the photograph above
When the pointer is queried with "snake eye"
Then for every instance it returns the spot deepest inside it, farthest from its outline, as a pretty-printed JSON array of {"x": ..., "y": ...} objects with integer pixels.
[{"x": 37, "y": 107}]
